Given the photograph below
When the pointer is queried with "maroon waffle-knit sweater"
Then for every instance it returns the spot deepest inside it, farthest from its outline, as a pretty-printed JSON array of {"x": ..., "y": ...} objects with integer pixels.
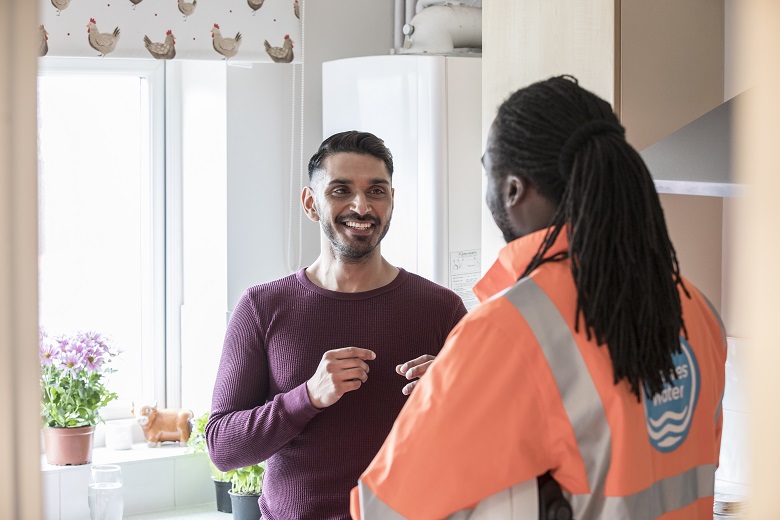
[{"x": 274, "y": 342}]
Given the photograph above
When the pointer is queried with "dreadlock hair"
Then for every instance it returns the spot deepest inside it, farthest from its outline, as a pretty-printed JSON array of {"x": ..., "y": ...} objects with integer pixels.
[
  {"x": 569, "y": 144},
  {"x": 351, "y": 141}
]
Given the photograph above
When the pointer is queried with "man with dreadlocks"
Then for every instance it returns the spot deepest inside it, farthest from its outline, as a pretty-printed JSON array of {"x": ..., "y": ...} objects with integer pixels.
[{"x": 591, "y": 360}]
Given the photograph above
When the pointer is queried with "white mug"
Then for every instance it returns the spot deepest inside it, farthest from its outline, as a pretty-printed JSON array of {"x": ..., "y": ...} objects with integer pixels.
[{"x": 119, "y": 435}]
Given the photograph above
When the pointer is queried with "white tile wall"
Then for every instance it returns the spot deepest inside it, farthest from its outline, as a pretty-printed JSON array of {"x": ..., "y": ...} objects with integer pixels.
[
  {"x": 734, "y": 468},
  {"x": 190, "y": 487},
  {"x": 733, "y": 449},
  {"x": 736, "y": 398},
  {"x": 73, "y": 493},
  {"x": 148, "y": 485},
  {"x": 51, "y": 495},
  {"x": 153, "y": 480}
]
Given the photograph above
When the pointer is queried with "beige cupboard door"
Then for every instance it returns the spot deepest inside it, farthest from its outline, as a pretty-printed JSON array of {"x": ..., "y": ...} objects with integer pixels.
[{"x": 659, "y": 63}]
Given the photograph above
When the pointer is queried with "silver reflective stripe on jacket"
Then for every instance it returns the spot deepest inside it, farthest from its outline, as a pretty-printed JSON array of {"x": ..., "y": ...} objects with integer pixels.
[
  {"x": 520, "y": 502},
  {"x": 578, "y": 393},
  {"x": 663, "y": 496},
  {"x": 372, "y": 507}
]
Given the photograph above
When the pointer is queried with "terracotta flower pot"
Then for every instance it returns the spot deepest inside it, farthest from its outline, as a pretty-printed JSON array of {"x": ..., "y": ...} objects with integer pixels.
[{"x": 68, "y": 446}]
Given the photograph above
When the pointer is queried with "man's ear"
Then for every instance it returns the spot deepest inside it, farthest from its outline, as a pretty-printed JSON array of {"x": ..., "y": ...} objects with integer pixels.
[
  {"x": 516, "y": 190},
  {"x": 309, "y": 204}
]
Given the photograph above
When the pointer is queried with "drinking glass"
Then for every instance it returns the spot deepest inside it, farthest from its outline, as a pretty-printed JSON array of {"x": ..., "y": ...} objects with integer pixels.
[{"x": 105, "y": 492}]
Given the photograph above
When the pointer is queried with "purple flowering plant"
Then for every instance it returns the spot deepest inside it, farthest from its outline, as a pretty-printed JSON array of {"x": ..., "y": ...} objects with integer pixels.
[{"x": 73, "y": 371}]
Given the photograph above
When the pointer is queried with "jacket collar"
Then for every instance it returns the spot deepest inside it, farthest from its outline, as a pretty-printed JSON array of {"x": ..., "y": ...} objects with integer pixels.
[{"x": 512, "y": 261}]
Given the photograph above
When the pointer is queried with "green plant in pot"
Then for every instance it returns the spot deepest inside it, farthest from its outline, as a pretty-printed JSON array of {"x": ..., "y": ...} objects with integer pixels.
[
  {"x": 73, "y": 386},
  {"x": 245, "y": 493},
  {"x": 222, "y": 479}
]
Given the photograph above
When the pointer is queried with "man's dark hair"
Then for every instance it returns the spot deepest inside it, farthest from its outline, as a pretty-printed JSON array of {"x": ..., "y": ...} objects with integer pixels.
[
  {"x": 569, "y": 144},
  {"x": 352, "y": 141}
]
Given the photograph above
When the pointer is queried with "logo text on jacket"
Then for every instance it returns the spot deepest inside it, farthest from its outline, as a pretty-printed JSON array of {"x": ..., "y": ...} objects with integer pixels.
[{"x": 669, "y": 412}]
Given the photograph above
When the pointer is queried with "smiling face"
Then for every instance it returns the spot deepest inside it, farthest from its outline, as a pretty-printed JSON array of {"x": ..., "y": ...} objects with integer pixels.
[{"x": 351, "y": 197}]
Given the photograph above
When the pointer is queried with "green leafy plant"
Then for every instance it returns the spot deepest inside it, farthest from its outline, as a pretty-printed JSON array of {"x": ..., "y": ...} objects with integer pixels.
[
  {"x": 221, "y": 476},
  {"x": 197, "y": 440},
  {"x": 73, "y": 372},
  {"x": 248, "y": 480},
  {"x": 197, "y": 443}
]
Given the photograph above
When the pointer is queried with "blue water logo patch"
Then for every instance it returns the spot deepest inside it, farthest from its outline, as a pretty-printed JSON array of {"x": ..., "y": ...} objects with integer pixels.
[{"x": 669, "y": 412}]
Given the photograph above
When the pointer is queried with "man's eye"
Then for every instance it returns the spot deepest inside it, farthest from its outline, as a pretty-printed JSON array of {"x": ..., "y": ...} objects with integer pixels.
[
  {"x": 377, "y": 191},
  {"x": 339, "y": 191}
]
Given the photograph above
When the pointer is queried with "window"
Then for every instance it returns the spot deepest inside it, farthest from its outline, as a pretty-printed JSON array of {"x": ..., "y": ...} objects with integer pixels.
[{"x": 102, "y": 214}]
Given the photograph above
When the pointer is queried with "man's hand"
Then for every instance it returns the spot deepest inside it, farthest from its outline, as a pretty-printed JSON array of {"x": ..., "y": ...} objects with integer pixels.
[
  {"x": 341, "y": 370},
  {"x": 414, "y": 369}
]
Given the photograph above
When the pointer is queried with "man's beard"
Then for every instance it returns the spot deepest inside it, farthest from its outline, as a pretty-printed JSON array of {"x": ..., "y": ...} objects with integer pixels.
[{"x": 357, "y": 248}]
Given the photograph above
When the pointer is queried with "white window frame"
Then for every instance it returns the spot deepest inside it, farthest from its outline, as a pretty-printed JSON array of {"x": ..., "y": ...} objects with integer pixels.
[{"x": 160, "y": 345}]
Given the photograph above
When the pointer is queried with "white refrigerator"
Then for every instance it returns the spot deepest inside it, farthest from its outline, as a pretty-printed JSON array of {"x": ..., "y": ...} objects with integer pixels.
[{"x": 427, "y": 109}]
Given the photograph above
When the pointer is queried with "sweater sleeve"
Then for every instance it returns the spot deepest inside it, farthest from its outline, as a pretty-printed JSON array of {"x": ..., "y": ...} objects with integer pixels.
[{"x": 243, "y": 429}]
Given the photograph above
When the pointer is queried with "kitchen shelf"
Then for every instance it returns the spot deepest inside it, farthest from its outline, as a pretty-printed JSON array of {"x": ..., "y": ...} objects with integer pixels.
[
  {"x": 697, "y": 159},
  {"x": 707, "y": 189}
]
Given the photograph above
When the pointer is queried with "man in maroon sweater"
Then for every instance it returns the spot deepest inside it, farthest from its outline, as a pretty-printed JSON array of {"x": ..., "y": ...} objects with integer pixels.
[{"x": 293, "y": 385}]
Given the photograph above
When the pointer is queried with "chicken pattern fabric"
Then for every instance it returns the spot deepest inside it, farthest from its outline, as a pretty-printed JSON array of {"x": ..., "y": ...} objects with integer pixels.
[
  {"x": 162, "y": 51},
  {"x": 227, "y": 47},
  {"x": 103, "y": 43},
  {"x": 43, "y": 41},
  {"x": 232, "y": 30},
  {"x": 283, "y": 54}
]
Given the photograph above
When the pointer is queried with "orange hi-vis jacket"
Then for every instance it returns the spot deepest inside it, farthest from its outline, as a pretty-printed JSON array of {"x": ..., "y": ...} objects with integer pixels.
[{"x": 516, "y": 392}]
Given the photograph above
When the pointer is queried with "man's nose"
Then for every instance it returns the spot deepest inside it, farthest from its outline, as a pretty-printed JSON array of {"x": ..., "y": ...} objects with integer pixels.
[{"x": 360, "y": 204}]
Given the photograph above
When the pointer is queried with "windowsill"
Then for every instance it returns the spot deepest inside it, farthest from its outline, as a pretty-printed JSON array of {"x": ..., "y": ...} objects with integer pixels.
[
  {"x": 139, "y": 452},
  {"x": 204, "y": 512}
]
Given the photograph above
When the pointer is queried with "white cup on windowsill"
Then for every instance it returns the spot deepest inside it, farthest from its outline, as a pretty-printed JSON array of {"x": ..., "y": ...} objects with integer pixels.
[{"x": 119, "y": 435}]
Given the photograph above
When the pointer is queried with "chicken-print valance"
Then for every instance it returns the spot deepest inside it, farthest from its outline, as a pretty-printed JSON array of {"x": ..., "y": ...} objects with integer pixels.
[{"x": 235, "y": 30}]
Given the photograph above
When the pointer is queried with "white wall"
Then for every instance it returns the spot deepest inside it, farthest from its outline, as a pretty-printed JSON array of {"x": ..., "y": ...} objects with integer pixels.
[
  {"x": 202, "y": 91},
  {"x": 258, "y": 106},
  {"x": 259, "y": 130}
]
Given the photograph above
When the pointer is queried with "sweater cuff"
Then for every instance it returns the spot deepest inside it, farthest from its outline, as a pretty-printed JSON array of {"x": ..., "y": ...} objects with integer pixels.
[{"x": 297, "y": 406}]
